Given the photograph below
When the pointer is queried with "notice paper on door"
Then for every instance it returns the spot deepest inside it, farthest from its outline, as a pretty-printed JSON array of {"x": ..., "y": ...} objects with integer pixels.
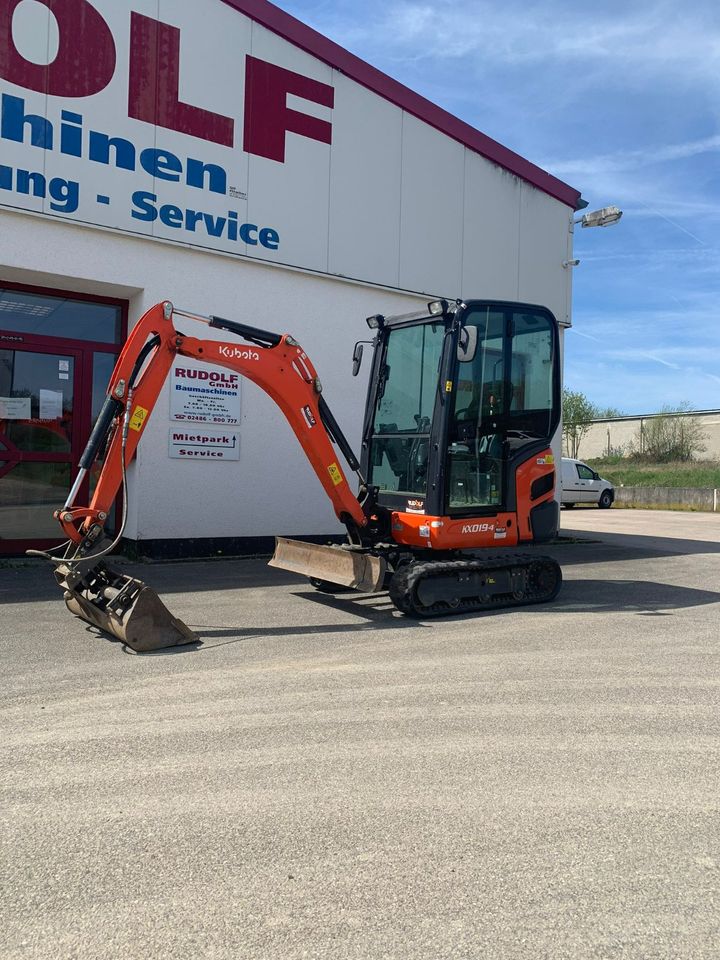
[
  {"x": 51, "y": 402},
  {"x": 15, "y": 408}
]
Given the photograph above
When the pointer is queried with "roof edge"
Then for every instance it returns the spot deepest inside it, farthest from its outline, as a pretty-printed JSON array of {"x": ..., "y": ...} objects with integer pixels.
[{"x": 314, "y": 43}]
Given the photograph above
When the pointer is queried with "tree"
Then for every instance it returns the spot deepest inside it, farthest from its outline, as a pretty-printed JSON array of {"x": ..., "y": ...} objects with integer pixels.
[
  {"x": 672, "y": 436},
  {"x": 578, "y": 413}
]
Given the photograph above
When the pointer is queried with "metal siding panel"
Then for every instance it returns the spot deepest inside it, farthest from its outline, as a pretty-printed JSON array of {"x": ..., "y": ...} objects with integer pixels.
[
  {"x": 294, "y": 195},
  {"x": 544, "y": 227},
  {"x": 432, "y": 210},
  {"x": 365, "y": 185},
  {"x": 491, "y": 230}
]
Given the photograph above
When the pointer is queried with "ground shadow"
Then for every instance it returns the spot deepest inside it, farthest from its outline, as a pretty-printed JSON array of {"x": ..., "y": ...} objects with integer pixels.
[{"x": 37, "y": 583}]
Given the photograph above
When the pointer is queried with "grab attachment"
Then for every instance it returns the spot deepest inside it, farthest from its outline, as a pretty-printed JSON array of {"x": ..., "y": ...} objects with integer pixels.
[{"x": 123, "y": 607}]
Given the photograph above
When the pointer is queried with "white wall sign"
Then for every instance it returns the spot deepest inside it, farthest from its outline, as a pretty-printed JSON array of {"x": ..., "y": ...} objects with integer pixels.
[
  {"x": 200, "y": 393},
  {"x": 193, "y": 443},
  {"x": 51, "y": 404},
  {"x": 15, "y": 408}
]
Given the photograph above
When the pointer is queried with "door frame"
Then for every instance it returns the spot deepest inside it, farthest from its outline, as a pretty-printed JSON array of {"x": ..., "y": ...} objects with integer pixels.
[{"x": 83, "y": 351}]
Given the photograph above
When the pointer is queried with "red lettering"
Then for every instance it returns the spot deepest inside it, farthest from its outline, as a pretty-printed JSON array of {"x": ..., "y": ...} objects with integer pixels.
[
  {"x": 267, "y": 116},
  {"x": 154, "y": 96},
  {"x": 85, "y": 62}
]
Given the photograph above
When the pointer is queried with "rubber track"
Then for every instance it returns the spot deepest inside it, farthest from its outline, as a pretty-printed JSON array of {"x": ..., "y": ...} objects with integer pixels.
[{"x": 404, "y": 583}]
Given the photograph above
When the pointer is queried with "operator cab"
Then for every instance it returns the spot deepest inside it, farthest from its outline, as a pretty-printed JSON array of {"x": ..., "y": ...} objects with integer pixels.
[{"x": 458, "y": 398}]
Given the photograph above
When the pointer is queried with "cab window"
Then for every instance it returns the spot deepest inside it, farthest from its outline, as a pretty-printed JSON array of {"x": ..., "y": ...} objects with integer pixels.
[
  {"x": 400, "y": 444},
  {"x": 505, "y": 398}
]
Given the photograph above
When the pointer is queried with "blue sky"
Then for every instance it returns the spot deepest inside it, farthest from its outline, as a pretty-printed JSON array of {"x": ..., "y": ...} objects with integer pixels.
[{"x": 621, "y": 100}]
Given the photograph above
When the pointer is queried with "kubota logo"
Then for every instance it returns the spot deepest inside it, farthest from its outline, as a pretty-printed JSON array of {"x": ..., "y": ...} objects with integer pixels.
[
  {"x": 235, "y": 353},
  {"x": 478, "y": 527}
]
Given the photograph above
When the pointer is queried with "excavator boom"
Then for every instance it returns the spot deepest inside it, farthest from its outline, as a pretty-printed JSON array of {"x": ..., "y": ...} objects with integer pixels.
[{"x": 126, "y": 607}]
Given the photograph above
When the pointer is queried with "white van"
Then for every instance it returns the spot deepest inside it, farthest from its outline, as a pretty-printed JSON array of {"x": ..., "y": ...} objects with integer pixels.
[{"x": 580, "y": 484}]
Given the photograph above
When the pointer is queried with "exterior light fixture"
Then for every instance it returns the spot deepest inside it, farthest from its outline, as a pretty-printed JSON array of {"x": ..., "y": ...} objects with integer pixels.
[
  {"x": 604, "y": 217},
  {"x": 438, "y": 308},
  {"x": 377, "y": 322}
]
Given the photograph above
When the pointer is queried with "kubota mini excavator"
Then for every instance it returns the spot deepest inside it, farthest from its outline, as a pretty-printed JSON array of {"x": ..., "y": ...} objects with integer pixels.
[{"x": 463, "y": 401}]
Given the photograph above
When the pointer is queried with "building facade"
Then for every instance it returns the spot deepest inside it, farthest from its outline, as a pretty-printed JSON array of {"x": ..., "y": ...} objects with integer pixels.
[
  {"x": 226, "y": 157},
  {"x": 621, "y": 436}
]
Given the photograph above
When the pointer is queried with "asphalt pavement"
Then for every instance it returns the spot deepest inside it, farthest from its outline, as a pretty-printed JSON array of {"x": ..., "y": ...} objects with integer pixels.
[{"x": 323, "y": 778}]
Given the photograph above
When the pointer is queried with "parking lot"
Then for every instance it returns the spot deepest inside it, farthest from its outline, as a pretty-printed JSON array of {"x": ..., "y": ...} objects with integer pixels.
[{"x": 323, "y": 778}]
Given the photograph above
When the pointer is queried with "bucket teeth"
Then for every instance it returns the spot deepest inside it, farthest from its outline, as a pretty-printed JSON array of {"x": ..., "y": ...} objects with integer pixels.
[
  {"x": 123, "y": 607},
  {"x": 348, "y": 568}
]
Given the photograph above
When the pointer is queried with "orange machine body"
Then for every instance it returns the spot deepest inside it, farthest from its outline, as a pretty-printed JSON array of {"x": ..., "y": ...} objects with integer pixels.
[{"x": 467, "y": 533}]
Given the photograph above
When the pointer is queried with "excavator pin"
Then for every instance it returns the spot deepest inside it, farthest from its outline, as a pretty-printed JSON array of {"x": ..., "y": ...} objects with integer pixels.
[
  {"x": 347, "y": 568},
  {"x": 121, "y": 606}
]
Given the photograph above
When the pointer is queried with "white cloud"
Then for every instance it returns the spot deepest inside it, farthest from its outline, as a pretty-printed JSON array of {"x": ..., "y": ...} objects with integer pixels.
[
  {"x": 645, "y": 36},
  {"x": 601, "y": 165}
]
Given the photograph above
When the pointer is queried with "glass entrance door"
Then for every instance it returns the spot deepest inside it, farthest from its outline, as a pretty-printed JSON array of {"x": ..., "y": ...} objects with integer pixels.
[{"x": 40, "y": 440}]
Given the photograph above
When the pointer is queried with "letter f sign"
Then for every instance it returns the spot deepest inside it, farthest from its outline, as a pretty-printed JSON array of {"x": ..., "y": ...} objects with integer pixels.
[{"x": 267, "y": 116}]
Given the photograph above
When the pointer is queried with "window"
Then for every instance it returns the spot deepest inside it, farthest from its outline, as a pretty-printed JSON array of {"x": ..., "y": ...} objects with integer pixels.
[
  {"x": 585, "y": 473},
  {"x": 406, "y": 399},
  {"x": 56, "y": 316},
  {"x": 505, "y": 399}
]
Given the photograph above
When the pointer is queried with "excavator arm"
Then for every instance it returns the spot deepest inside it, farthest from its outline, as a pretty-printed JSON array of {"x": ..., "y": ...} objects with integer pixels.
[
  {"x": 124, "y": 606},
  {"x": 275, "y": 362}
]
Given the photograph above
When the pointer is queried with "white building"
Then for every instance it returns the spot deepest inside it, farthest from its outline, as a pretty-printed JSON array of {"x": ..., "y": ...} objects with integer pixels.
[{"x": 224, "y": 156}]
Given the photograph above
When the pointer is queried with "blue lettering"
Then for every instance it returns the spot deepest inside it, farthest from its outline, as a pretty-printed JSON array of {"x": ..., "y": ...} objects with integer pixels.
[
  {"x": 14, "y": 120},
  {"x": 144, "y": 201},
  {"x": 214, "y": 225},
  {"x": 246, "y": 231},
  {"x": 70, "y": 134},
  {"x": 100, "y": 144},
  {"x": 66, "y": 194},
  {"x": 195, "y": 177},
  {"x": 24, "y": 179},
  {"x": 171, "y": 216},
  {"x": 269, "y": 238},
  {"x": 161, "y": 164},
  {"x": 192, "y": 218}
]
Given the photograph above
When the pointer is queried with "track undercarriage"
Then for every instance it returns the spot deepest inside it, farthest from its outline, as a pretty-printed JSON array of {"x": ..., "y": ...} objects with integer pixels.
[
  {"x": 427, "y": 586},
  {"x": 432, "y": 588}
]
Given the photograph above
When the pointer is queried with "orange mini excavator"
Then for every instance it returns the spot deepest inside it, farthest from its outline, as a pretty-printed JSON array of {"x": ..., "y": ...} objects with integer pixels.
[{"x": 463, "y": 401}]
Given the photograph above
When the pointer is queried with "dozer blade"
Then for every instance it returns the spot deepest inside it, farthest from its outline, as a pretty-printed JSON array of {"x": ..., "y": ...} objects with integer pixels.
[
  {"x": 346, "y": 568},
  {"x": 123, "y": 607}
]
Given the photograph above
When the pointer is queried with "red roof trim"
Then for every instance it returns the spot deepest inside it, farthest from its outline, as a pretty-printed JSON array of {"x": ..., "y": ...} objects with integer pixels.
[{"x": 291, "y": 29}]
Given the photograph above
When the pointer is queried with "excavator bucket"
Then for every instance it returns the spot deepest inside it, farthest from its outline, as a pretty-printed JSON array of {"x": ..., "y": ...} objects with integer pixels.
[
  {"x": 122, "y": 606},
  {"x": 347, "y": 568}
]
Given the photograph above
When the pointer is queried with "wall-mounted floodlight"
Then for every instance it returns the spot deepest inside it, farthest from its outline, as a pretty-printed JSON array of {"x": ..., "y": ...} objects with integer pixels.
[
  {"x": 604, "y": 217},
  {"x": 438, "y": 308}
]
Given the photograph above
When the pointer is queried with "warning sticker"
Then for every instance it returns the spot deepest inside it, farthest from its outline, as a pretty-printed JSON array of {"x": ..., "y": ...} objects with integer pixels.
[
  {"x": 137, "y": 420},
  {"x": 336, "y": 476}
]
